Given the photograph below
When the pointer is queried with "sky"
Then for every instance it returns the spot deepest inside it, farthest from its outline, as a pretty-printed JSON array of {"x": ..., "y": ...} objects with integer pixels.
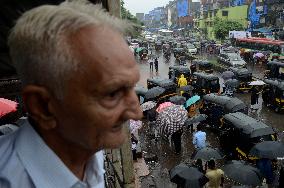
[{"x": 143, "y": 6}]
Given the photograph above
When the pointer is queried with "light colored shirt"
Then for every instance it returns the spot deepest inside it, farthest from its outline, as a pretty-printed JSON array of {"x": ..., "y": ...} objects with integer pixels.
[
  {"x": 214, "y": 177},
  {"x": 27, "y": 162},
  {"x": 199, "y": 140}
]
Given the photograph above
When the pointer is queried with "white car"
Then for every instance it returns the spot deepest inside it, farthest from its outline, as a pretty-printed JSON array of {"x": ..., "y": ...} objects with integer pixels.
[{"x": 191, "y": 49}]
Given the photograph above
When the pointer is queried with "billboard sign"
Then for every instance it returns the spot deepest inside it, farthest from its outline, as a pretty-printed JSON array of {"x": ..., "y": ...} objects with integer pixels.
[{"x": 182, "y": 8}]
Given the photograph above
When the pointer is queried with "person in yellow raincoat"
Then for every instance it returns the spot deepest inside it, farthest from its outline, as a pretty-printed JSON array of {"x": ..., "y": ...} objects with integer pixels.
[{"x": 182, "y": 82}]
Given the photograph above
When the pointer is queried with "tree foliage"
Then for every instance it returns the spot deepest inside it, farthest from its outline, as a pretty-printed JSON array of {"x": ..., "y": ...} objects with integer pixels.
[
  {"x": 221, "y": 28},
  {"x": 125, "y": 14}
]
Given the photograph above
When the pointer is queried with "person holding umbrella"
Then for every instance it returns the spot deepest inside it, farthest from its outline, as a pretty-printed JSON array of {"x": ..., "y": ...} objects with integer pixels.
[
  {"x": 176, "y": 139},
  {"x": 255, "y": 91}
]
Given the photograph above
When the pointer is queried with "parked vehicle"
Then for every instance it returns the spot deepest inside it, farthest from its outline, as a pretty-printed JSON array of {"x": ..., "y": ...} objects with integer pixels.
[
  {"x": 140, "y": 92},
  {"x": 275, "y": 70},
  {"x": 169, "y": 85},
  {"x": 273, "y": 94},
  {"x": 191, "y": 49},
  {"x": 203, "y": 65},
  {"x": 158, "y": 45},
  {"x": 205, "y": 83},
  {"x": 215, "y": 106},
  {"x": 176, "y": 71},
  {"x": 179, "y": 52},
  {"x": 231, "y": 60},
  {"x": 240, "y": 132},
  {"x": 244, "y": 76}
]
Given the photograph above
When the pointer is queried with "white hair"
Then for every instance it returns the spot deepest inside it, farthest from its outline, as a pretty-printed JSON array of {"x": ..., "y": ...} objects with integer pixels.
[{"x": 39, "y": 45}]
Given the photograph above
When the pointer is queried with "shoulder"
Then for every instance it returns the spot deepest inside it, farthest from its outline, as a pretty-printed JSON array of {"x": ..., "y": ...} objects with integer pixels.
[
  {"x": 220, "y": 171},
  {"x": 12, "y": 173}
]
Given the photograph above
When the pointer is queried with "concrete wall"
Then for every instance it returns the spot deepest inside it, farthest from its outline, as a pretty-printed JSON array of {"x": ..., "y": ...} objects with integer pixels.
[{"x": 237, "y": 13}]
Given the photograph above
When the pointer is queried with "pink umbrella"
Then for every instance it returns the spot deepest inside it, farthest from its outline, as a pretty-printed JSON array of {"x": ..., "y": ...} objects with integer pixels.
[
  {"x": 258, "y": 55},
  {"x": 7, "y": 106},
  {"x": 163, "y": 106}
]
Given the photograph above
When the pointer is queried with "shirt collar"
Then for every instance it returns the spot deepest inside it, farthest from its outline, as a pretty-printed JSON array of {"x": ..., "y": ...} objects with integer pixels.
[{"x": 44, "y": 167}]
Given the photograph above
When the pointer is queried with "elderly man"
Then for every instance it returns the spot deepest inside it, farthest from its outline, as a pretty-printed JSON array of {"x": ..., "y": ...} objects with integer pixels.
[{"x": 78, "y": 78}]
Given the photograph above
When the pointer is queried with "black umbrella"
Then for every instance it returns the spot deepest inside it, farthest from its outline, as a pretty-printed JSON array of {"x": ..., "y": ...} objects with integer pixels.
[
  {"x": 186, "y": 88},
  {"x": 154, "y": 92},
  {"x": 243, "y": 173},
  {"x": 179, "y": 100},
  {"x": 195, "y": 119},
  {"x": 187, "y": 177},
  {"x": 207, "y": 154},
  {"x": 227, "y": 75},
  {"x": 268, "y": 149},
  {"x": 232, "y": 83}
]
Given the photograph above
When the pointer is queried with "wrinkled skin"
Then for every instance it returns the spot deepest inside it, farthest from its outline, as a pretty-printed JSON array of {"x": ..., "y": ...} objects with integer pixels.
[{"x": 101, "y": 96}]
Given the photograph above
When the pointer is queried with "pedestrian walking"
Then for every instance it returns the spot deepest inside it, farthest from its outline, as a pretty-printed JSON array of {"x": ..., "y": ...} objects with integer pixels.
[
  {"x": 151, "y": 63},
  {"x": 156, "y": 65},
  {"x": 215, "y": 175},
  {"x": 134, "y": 143},
  {"x": 182, "y": 82},
  {"x": 176, "y": 138},
  {"x": 255, "y": 91},
  {"x": 199, "y": 138}
]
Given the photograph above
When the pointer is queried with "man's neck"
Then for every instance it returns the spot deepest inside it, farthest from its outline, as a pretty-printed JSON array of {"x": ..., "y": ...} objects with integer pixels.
[{"x": 72, "y": 155}]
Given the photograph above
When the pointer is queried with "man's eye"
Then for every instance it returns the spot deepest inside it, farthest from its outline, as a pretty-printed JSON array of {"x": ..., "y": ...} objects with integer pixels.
[{"x": 115, "y": 94}]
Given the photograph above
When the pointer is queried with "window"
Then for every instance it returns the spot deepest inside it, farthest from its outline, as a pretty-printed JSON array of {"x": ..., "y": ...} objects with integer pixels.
[{"x": 225, "y": 13}]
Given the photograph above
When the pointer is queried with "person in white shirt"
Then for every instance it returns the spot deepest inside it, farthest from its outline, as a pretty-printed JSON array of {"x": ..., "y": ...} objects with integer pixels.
[{"x": 78, "y": 77}]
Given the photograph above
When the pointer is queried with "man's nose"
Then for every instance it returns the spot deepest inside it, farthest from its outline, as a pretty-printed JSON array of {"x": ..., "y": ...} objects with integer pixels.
[{"x": 134, "y": 110}]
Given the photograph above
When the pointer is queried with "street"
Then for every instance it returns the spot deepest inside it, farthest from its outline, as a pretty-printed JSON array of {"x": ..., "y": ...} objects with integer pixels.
[{"x": 159, "y": 176}]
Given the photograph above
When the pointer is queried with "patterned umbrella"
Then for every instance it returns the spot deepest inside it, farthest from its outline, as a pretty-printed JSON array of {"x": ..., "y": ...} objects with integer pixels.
[
  {"x": 134, "y": 125},
  {"x": 163, "y": 106},
  {"x": 171, "y": 119},
  {"x": 148, "y": 105},
  {"x": 196, "y": 119},
  {"x": 179, "y": 100},
  {"x": 154, "y": 92},
  {"x": 192, "y": 100},
  {"x": 258, "y": 55}
]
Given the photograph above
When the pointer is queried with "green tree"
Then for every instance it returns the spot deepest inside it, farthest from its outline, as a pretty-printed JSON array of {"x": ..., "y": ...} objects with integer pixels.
[
  {"x": 125, "y": 14},
  {"x": 221, "y": 28}
]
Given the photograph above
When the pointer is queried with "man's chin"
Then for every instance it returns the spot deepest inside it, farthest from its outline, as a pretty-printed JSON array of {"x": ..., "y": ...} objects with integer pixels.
[{"x": 115, "y": 139}]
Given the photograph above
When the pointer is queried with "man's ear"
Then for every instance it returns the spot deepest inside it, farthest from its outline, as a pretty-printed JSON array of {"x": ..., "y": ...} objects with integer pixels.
[{"x": 38, "y": 102}]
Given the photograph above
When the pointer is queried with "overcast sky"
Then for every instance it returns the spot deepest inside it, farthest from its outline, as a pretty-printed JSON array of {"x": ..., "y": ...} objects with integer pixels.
[{"x": 143, "y": 6}]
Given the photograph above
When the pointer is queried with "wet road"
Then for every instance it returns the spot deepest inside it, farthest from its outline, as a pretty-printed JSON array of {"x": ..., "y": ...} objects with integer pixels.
[
  {"x": 266, "y": 114},
  {"x": 159, "y": 176}
]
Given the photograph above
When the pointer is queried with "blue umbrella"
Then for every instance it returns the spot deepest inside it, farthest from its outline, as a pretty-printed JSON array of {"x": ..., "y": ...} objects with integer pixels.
[{"x": 192, "y": 100}]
